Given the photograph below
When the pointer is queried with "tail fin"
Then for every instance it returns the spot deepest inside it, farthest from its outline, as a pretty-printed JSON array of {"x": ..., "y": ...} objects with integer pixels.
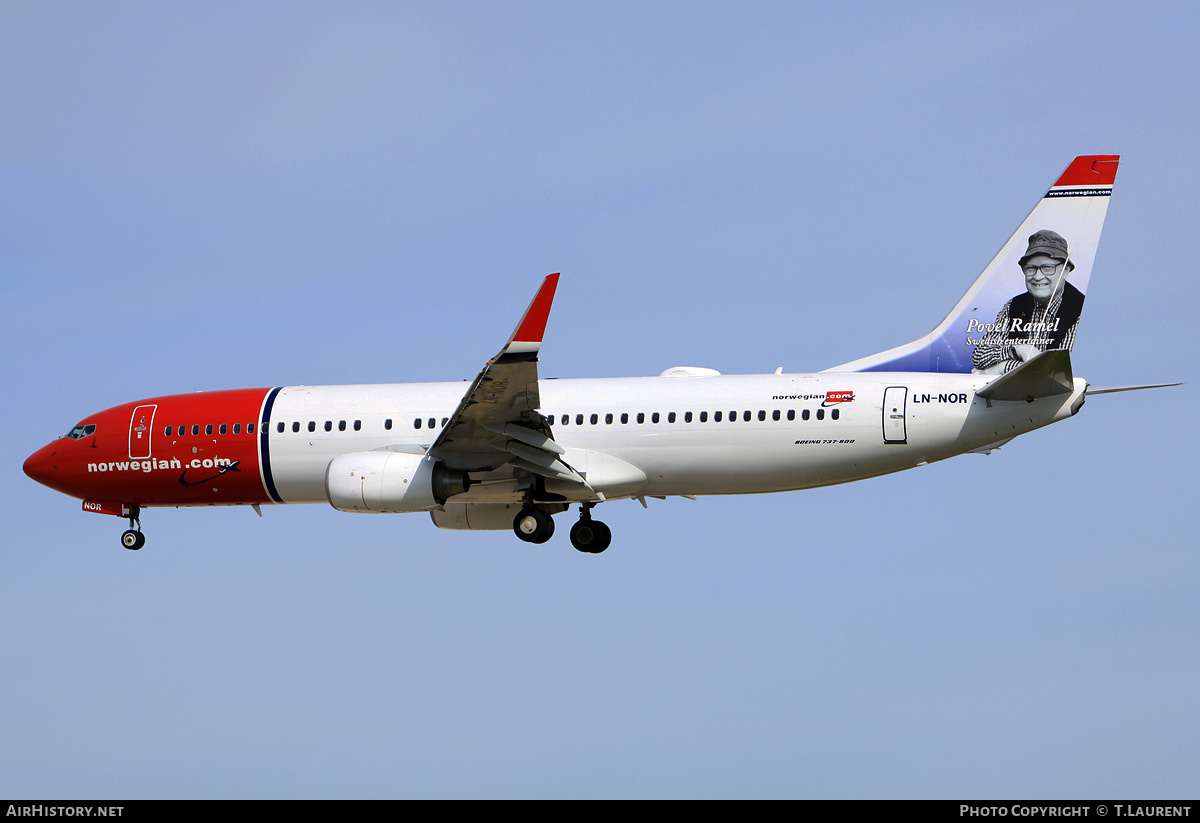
[{"x": 1006, "y": 317}]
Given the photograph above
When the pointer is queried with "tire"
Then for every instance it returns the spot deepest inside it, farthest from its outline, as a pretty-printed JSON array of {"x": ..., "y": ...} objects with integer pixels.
[
  {"x": 603, "y": 538},
  {"x": 533, "y": 526},
  {"x": 590, "y": 536}
]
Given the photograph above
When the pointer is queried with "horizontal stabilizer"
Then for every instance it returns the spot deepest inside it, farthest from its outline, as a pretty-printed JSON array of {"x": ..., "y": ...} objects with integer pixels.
[
  {"x": 1111, "y": 389},
  {"x": 1046, "y": 375}
]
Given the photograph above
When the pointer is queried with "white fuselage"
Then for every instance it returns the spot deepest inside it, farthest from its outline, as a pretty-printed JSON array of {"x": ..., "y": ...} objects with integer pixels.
[{"x": 802, "y": 431}]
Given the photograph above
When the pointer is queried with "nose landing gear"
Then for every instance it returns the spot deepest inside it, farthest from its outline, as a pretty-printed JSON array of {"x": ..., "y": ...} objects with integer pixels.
[{"x": 132, "y": 538}]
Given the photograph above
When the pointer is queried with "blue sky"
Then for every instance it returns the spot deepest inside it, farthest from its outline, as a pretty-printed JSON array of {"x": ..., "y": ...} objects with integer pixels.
[{"x": 206, "y": 196}]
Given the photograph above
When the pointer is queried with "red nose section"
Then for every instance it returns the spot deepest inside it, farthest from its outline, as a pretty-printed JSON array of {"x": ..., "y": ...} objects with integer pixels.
[{"x": 42, "y": 465}]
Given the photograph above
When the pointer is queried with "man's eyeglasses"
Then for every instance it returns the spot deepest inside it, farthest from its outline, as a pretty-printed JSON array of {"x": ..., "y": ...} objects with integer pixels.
[{"x": 1048, "y": 269}]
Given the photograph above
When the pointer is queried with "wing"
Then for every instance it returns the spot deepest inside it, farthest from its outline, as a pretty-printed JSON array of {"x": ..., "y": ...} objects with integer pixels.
[{"x": 498, "y": 422}]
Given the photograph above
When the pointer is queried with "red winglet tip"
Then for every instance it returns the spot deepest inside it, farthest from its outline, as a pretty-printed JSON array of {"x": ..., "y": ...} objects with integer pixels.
[
  {"x": 533, "y": 324},
  {"x": 1090, "y": 170}
]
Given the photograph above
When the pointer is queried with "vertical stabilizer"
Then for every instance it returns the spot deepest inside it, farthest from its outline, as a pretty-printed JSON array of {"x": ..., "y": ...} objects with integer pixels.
[{"x": 1029, "y": 298}]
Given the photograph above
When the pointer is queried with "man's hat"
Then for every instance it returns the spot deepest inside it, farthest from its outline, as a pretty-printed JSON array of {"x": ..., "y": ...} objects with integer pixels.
[{"x": 1049, "y": 243}]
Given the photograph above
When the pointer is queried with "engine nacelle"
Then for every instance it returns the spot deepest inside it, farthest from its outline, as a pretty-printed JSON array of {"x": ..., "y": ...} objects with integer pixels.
[
  {"x": 385, "y": 481},
  {"x": 484, "y": 516},
  {"x": 476, "y": 516}
]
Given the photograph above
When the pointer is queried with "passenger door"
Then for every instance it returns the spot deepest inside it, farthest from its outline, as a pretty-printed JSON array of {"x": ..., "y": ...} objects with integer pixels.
[
  {"x": 141, "y": 426},
  {"x": 894, "y": 429}
]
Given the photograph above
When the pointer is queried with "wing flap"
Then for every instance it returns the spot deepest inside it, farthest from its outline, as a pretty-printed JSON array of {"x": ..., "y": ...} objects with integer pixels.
[{"x": 529, "y": 437}]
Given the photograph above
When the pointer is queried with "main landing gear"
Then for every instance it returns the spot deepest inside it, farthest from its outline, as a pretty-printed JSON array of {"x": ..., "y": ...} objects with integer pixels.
[
  {"x": 533, "y": 526},
  {"x": 588, "y": 535},
  {"x": 132, "y": 538}
]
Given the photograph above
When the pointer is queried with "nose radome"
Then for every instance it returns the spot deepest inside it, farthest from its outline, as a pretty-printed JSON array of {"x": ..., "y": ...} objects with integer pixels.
[{"x": 42, "y": 463}]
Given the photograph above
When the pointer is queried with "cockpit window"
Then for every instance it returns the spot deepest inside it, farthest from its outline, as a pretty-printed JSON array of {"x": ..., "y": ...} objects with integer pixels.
[{"x": 82, "y": 430}]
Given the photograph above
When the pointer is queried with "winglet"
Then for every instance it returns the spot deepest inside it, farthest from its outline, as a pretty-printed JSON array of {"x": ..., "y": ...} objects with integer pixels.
[{"x": 527, "y": 339}]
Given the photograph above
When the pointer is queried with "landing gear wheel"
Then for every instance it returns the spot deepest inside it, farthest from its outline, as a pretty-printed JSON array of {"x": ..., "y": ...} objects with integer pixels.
[
  {"x": 590, "y": 536},
  {"x": 133, "y": 539},
  {"x": 533, "y": 526}
]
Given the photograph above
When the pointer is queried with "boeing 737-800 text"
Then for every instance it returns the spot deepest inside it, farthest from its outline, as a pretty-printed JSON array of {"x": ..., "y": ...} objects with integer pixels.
[{"x": 513, "y": 450}]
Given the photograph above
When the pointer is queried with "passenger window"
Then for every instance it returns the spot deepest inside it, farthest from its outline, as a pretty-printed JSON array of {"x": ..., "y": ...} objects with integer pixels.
[
  {"x": 280, "y": 429},
  {"x": 595, "y": 419},
  {"x": 387, "y": 424},
  {"x": 703, "y": 417},
  {"x": 312, "y": 425},
  {"x": 624, "y": 417},
  {"x": 566, "y": 419},
  {"x": 791, "y": 414},
  {"x": 834, "y": 414},
  {"x": 762, "y": 415},
  {"x": 746, "y": 415},
  {"x": 223, "y": 429},
  {"x": 641, "y": 418},
  {"x": 579, "y": 420},
  {"x": 341, "y": 425},
  {"x": 654, "y": 417},
  {"x": 671, "y": 417},
  {"x": 445, "y": 420},
  {"x": 733, "y": 416},
  {"x": 249, "y": 428},
  {"x": 687, "y": 417},
  {"x": 358, "y": 424},
  {"x": 432, "y": 422},
  {"x": 167, "y": 431},
  {"x": 716, "y": 417},
  {"x": 820, "y": 414},
  {"x": 237, "y": 428},
  {"x": 417, "y": 423},
  {"x": 328, "y": 425},
  {"x": 608, "y": 419},
  {"x": 775, "y": 414}
]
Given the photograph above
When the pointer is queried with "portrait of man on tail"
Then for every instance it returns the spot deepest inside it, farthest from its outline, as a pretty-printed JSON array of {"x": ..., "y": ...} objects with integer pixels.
[{"x": 1042, "y": 318}]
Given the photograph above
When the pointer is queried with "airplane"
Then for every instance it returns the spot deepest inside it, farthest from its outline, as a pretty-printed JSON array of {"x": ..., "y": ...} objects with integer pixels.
[{"x": 514, "y": 449}]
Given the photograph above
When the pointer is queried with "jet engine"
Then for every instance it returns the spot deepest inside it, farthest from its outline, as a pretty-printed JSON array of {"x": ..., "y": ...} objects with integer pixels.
[
  {"x": 476, "y": 516},
  {"x": 383, "y": 481}
]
